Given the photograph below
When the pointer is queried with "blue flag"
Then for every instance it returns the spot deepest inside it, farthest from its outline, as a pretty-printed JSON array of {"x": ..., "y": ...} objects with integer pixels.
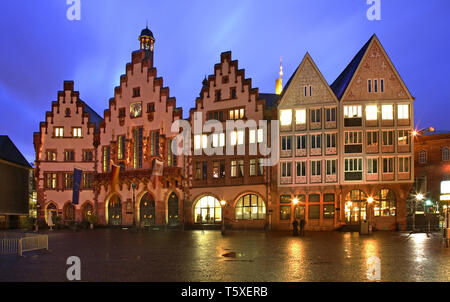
[{"x": 76, "y": 185}]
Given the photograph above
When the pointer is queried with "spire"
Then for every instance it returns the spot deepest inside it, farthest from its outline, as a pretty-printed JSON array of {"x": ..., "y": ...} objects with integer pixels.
[{"x": 279, "y": 81}]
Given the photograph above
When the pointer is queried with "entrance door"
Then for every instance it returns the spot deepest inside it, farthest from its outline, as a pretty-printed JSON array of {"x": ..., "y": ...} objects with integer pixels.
[
  {"x": 172, "y": 206},
  {"x": 355, "y": 207},
  {"x": 115, "y": 211},
  {"x": 147, "y": 210}
]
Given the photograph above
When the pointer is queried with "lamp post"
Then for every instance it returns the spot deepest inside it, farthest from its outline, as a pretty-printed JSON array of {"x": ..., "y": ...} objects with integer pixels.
[
  {"x": 133, "y": 186},
  {"x": 223, "y": 203}
]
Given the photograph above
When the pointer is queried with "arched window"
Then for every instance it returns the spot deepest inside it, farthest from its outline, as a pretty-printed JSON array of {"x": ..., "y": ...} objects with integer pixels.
[
  {"x": 207, "y": 210},
  {"x": 69, "y": 212},
  {"x": 445, "y": 154},
  {"x": 422, "y": 157},
  {"x": 385, "y": 203},
  {"x": 250, "y": 206},
  {"x": 88, "y": 210}
]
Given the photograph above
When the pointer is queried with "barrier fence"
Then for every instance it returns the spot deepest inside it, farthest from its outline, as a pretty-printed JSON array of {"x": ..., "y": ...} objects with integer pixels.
[{"x": 17, "y": 243}]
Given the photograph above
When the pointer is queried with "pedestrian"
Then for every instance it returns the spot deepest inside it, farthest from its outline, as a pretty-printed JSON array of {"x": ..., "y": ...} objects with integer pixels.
[
  {"x": 302, "y": 226},
  {"x": 295, "y": 227}
]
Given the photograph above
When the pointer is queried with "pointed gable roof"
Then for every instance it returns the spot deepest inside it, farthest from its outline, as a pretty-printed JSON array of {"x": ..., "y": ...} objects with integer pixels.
[
  {"x": 9, "y": 152},
  {"x": 365, "y": 57},
  {"x": 343, "y": 80},
  {"x": 292, "y": 91}
]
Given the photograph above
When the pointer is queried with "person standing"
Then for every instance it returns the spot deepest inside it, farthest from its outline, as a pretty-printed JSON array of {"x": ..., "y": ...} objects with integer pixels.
[
  {"x": 302, "y": 226},
  {"x": 295, "y": 227}
]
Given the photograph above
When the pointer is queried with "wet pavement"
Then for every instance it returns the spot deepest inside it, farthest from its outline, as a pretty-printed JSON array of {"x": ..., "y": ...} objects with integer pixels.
[{"x": 122, "y": 255}]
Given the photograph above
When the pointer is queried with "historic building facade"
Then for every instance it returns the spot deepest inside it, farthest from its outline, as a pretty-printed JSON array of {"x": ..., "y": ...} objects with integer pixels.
[
  {"x": 432, "y": 166},
  {"x": 134, "y": 134},
  {"x": 345, "y": 150},
  {"x": 237, "y": 181}
]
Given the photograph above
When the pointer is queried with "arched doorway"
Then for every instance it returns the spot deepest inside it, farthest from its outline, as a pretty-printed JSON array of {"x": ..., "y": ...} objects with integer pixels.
[
  {"x": 251, "y": 207},
  {"x": 69, "y": 212},
  {"x": 207, "y": 210},
  {"x": 172, "y": 209},
  {"x": 147, "y": 210},
  {"x": 114, "y": 210},
  {"x": 88, "y": 210},
  {"x": 51, "y": 210},
  {"x": 355, "y": 206}
]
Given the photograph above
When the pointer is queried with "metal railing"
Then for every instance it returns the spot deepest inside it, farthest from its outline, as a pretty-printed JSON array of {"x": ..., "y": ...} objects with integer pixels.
[{"x": 18, "y": 243}]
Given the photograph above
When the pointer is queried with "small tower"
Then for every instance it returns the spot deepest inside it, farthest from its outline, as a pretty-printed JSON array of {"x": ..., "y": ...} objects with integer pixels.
[
  {"x": 147, "y": 40},
  {"x": 279, "y": 81}
]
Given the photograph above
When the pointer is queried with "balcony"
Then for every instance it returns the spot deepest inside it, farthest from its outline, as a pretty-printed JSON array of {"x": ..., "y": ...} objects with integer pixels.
[
  {"x": 300, "y": 127},
  {"x": 403, "y": 148},
  {"x": 387, "y": 148},
  {"x": 403, "y": 122},
  {"x": 372, "y": 148},
  {"x": 388, "y": 176},
  {"x": 372, "y": 176},
  {"x": 404, "y": 176},
  {"x": 315, "y": 126},
  {"x": 286, "y": 153},
  {"x": 331, "y": 151},
  {"x": 316, "y": 179}
]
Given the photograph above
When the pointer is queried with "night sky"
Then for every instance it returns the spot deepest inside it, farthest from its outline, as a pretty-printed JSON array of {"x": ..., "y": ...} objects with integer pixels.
[{"x": 40, "y": 48}]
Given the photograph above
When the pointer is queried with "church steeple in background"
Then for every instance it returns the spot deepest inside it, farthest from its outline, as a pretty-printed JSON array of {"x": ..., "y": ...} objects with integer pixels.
[{"x": 279, "y": 81}]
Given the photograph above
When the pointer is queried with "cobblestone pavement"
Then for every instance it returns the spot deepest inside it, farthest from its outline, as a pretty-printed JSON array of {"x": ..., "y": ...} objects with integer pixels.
[{"x": 121, "y": 255}]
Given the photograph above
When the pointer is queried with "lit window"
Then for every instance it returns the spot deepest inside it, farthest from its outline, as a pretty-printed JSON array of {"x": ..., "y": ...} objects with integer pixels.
[
  {"x": 260, "y": 135},
  {"x": 204, "y": 141},
  {"x": 252, "y": 136},
  {"x": 286, "y": 117},
  {"x": 59, "y": 131},
  {"x": 403, "y": 111},
  {"x": 250, "y": 206},
  {"x": 76, "y": 132},
  {"x": 241, "y": 113},
  {"x": 371, "y": 112},
  {"x": 403, "y": 137},
  {"x": 240, "y": 137},
  {"x": 387, "y": 112},
  {"x": 233, "y": 138},
  {"x": 300, "y": 116},
  {"x": 197, "y": 142},
  {"x": 352, "y": 111}
]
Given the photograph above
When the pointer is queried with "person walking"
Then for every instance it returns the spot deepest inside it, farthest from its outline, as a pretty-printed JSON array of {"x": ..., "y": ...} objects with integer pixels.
[
  {"x": 302, "y": 226},
  {"x": 295, "y": 227}
]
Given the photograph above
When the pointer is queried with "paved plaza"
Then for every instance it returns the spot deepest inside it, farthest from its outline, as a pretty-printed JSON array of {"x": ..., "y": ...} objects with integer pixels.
[{"x": 172, "y": 255}]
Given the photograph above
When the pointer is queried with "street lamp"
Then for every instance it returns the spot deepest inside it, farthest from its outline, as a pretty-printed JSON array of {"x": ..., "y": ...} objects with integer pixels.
[
  {"x": 133, "y": 185},
  {"x": 223, "y": 203}
]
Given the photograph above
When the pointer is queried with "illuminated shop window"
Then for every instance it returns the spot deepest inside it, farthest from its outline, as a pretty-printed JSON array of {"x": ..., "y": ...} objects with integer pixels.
[{"x": 207, "y": 210}]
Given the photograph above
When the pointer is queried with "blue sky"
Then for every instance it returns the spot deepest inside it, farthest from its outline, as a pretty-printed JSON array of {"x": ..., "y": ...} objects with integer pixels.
[{"x": 40, "y": 48}]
